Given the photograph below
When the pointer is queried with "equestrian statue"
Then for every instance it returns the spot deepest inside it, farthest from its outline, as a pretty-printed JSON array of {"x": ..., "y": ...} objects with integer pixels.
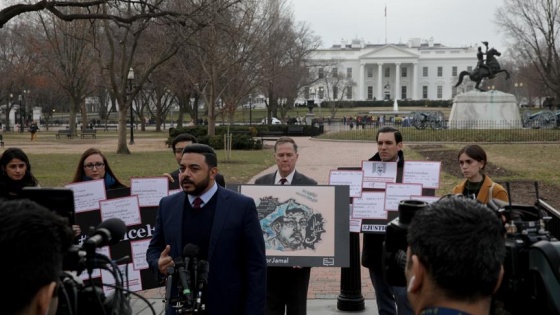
[{"x": 484, "y": 68}]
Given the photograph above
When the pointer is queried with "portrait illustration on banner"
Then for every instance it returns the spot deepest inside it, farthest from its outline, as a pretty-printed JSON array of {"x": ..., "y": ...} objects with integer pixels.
[{"x": 295, "y": 220}]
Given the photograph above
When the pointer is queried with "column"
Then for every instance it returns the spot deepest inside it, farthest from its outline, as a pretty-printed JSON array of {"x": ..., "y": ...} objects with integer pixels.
[
  {"x": 397, "y": 81},
  {"x": 361, "y": 84},
  {"x": 380, "y": 95},
  {"x": 415, "y": 81}
]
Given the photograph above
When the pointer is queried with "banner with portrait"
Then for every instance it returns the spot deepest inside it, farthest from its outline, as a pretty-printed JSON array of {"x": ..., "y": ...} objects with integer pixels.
[{"x": 305, "y": 226}]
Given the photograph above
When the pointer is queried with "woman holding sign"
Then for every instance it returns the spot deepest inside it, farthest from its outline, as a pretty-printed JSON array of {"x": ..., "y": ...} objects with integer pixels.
[
  {"x": 477, "y": 185},
  {"x": 94, "y": 165}
]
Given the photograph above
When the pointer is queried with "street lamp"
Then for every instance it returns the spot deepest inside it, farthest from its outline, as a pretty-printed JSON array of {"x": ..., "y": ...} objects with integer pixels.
[
  {"x": 130, "y": 86},
  {"x": 518, "y": 86},
  {"x": 250, "y": 110}
]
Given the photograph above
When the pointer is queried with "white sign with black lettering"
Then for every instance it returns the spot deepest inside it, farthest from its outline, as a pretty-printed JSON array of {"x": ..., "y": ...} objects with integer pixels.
[
  {"x": 394, "y": 193},
  {"x": 88, "y": 194},
  {"x": 377, "y": 174},
  {"x": 370, "y": 206},
  {"x": 353, "y": 179},
  {"x": 426, "y": 173}
]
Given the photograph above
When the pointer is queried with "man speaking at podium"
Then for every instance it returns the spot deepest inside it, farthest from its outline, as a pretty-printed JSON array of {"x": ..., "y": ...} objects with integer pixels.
[{"x": 223, "y": 225}]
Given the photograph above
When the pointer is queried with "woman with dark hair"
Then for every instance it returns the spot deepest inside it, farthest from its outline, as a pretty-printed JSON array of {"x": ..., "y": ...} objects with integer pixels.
[
  {"x": 94, "y": 165},
  {"x": 15, "y": 173},
  {"x": 477, "y": 185}
]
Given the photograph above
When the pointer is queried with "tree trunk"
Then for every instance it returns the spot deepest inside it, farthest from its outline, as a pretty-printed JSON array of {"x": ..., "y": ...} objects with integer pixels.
[{"x": 122, "y": 148}]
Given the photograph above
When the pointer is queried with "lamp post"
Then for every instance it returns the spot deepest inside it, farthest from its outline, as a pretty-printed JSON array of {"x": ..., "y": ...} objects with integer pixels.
[
  {"x": 518, "y": 86},
  {"x": 10, "y": 103},
  {"x": 250, "y": 110},
  {"x": 130, "y": 78}
]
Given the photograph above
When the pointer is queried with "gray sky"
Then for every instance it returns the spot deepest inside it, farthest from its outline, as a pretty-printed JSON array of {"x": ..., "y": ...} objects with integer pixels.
[{"x": 454, "y": 23}]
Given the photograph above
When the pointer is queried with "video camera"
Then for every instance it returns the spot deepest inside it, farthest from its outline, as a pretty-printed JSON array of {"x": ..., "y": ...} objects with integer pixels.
[
  {"x": 186, "y": 283},
  {"x": 531, "y": 283},
  {"x": 75, "y": 295}
]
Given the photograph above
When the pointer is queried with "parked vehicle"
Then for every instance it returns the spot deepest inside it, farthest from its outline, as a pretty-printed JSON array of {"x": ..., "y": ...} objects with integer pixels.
[{"x": 275, "y": 121}]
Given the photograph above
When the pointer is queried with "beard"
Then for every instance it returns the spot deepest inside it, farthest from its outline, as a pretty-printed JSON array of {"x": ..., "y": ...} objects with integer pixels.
[{"x": 198, "y": 188}]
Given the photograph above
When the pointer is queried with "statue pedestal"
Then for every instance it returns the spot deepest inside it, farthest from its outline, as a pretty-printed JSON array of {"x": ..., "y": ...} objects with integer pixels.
[
  {"x": 309, "y": 118},
  {"x": 484, "y": 110}
]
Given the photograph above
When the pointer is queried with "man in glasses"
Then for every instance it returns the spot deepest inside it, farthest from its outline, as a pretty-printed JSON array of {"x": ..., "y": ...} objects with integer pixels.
[{"x": 178, "y": 144}]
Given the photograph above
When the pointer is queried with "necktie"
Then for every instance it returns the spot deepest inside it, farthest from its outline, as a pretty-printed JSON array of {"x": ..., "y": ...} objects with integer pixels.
[
  {"x": 283, "y": 181},
  {"x": 196, "y": 203}
]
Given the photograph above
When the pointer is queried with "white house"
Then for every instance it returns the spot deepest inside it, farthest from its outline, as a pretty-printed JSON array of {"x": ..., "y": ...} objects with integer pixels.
[{"x": 415, "y": 70}]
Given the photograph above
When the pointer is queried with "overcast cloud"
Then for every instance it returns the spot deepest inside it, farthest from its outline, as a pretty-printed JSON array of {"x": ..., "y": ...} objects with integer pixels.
[{"x": 454, "y": 23}]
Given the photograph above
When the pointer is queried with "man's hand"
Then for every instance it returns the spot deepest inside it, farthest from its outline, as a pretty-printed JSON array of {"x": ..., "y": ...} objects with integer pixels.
[
  {"x": 165, "y": 261},
  {"x": 169, "y": 177}
]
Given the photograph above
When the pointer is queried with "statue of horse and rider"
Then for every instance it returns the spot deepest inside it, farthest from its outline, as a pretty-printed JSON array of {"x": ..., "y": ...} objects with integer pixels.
[{"x": 485, "y": 68}]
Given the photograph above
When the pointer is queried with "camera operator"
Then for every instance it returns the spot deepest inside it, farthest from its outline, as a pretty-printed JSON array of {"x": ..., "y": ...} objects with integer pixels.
[
  {"x": 455, "y": 252},
  {"x": 33, "y": 240}
]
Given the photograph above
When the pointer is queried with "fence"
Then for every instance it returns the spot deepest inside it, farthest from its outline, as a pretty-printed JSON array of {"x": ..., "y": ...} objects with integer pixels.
[{"x": 485, "y": 131}]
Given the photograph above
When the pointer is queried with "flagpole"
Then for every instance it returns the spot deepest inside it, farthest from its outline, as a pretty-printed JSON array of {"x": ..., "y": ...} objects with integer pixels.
[{"x": 385, "y": 23}]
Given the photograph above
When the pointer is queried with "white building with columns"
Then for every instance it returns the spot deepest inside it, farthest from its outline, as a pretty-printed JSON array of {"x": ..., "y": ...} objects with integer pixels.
[{"x": 416, "y": 70}]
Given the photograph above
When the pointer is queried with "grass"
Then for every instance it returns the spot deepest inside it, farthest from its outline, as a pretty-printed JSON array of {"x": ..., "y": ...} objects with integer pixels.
[{"x": 57, "y": 170}]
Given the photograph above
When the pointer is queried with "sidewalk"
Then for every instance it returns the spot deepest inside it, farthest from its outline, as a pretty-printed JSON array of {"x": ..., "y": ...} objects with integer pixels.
[{"x": 316, "y": 159}]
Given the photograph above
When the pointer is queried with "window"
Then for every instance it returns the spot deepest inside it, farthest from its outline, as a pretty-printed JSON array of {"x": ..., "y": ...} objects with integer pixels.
[
  {"x": 349, "y": 92},
  {"x": 321, "y": 93},
  {"x": 454, "y": 71},
  {"x": 387, "y": 72},
  {"x": 306, "y": 93},
  {"x": 335, "y": 92},
  {"x": 469, "y": 68},
  {"x": 439, "y": 91},
  {"x": 349, "y": 73},
  {"x": 370, "y": 92},
  {"x": 439, "y": 71},
  {"x": 425, "y": 71},
  {"x": 370, "y": 72},
  {"x": 403, "y": 92},
  {"x": 335, "y": 72},
  {"x": 424, "y": 91},
  {"x": 403, "y": 72},
  {"x": 321, "y": 73}
]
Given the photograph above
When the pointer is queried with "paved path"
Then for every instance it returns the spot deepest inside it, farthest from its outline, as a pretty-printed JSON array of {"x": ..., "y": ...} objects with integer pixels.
[{"x": 316, "y": 159}]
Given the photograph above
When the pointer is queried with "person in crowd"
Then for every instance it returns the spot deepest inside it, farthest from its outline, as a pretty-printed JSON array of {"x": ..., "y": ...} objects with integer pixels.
[
  {"x": 16, "y": 173},
  {"x": 286, "y": 291},
  {"x": 443, "y": 281},
  {"x": 33, "y": 129},
  {"x": 477, "y": 185},
  {"x": 38, "y": 238},
  {"x": 225, "y": 227},
  {"x": 390, "y": 299},
  {"x": 178, "y": 144},
  {"x": 94, "y": 165}
]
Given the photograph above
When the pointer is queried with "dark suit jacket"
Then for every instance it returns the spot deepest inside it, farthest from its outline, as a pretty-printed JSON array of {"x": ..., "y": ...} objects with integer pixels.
[
  {"x": 175, "y": 175},
  {"x": 299, "y": 179},
  {"x": 237, "y": 277}
]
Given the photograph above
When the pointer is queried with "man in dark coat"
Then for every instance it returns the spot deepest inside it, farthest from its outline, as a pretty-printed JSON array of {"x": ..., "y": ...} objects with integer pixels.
[
  {"x": 223, "y": 225},
  {"x": 286, "y": 290},
  {"x": 389, "y": 298}
]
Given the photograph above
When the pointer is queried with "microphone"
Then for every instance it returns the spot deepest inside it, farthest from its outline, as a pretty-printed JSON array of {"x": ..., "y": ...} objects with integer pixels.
[
  {"x": 203, "y": 267},
  {"x": 109, "y": 232},
  {"x": 190, "y": 251},
  {"x": 183, "y": 277}
]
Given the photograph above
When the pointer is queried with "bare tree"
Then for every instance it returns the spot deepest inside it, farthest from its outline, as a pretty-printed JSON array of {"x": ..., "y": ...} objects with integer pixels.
[
  {"x": 89, "y": 10},
  {"x": 533, "y": 27}
]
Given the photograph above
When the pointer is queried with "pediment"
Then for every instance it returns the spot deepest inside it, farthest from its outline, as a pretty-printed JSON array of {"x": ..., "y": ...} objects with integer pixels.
[{"x": 389, "y": 51}]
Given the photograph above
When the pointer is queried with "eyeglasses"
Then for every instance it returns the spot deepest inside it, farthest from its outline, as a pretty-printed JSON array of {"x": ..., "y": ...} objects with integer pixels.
[
  {"x": 293, "y": 223},
  {"x": 96, "y": 165}
]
